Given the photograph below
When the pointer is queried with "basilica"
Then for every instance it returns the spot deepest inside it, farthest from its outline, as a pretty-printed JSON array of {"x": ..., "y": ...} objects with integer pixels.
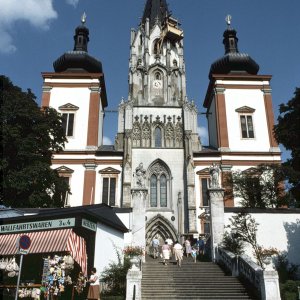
[{"x": 158, "y": 171}]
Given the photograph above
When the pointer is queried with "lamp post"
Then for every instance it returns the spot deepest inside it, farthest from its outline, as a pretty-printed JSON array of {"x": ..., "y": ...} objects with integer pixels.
[{"x": 299, "y": 292}]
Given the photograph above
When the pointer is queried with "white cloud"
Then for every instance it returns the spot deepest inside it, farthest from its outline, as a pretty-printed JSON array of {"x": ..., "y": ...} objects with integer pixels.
[
  {"x": 72, "y": 2},
  {"x": 202, "y": 131},
  {"x": 38, "y": 13},
  {"x": 6, "y": 45},
  {"x": 107, "y": 141}
]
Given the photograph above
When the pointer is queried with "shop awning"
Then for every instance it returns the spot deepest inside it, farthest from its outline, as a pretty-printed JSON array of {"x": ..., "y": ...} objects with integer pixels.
[{"x": 52, "y": 241}]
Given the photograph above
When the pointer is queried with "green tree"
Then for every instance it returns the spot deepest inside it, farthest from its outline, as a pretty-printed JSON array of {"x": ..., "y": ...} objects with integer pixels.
[
  {"x": 30, "y": 136},
  {"x": 260, "y": 187},
  {"x": 244, "y": 229},
  {"x": 287, "y": 132}
]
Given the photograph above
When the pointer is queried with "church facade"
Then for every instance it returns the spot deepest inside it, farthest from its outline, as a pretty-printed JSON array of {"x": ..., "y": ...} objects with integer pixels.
[{"x": 157, "y": 148}]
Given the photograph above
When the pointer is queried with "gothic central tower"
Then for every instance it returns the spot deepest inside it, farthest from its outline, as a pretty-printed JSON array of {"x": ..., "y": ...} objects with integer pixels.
[{"x": 158, "y": 125}]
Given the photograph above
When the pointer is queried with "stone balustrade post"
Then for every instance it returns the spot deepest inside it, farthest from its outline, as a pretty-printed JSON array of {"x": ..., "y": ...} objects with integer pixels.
[{"x": 270, "y": 285}]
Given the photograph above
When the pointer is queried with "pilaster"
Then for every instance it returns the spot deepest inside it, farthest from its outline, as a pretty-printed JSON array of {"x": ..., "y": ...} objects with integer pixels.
[
  {"x": 89, "y": 183},
  {"x": 221, "y": 119},
  {"x": 46, "y": 96},
  {"x": 93, "y": 118}
]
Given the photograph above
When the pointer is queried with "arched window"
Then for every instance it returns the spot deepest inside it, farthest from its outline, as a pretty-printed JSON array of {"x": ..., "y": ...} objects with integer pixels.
[
  {"x": 158, "y": 76},
  {"x": 153, "y": 191},
  {"x": 163, "y": 191},
  {"x": 156, "y": 46},
  {"x": 157, "y": 137},
  {"x": 160, "y": 185}
]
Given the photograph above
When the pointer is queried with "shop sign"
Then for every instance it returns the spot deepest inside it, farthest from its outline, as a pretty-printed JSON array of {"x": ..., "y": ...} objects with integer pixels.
[
  {"x": 89, "y": 225},
  {"x": 40, "y": 225}
]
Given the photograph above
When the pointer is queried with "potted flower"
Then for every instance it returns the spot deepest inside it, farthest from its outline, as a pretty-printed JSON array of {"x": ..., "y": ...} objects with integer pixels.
[
  {"x": 135, "y": 254},
  {"x": 266, "y": 257}
]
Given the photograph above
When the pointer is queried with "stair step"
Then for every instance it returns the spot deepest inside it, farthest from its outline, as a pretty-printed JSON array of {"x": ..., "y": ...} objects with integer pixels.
[{"x": 200, "y": 280}]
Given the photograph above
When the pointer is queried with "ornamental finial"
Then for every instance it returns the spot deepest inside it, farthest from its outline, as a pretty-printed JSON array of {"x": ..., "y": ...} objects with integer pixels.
[
  {"x": 228, "y": 20},
  {"x": 83, "y": 18}
]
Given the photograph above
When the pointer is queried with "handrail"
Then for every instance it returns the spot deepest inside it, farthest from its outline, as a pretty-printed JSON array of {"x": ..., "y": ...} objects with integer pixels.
[{"x": 264, "y": 283}]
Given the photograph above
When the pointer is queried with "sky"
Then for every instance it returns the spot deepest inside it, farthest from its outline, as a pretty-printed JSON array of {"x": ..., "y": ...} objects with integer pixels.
[{"x": 34, "y": 33}]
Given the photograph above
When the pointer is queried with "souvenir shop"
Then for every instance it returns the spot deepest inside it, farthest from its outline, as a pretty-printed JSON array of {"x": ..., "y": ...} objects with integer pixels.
[{"x": 61, "y": 251}]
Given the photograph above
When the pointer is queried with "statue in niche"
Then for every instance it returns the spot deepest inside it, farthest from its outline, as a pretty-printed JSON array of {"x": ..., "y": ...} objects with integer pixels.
[
  {"x": 175, "y": 81},
  {"x": 140, "y": 176},
  {"x": 214, "y": 172}
]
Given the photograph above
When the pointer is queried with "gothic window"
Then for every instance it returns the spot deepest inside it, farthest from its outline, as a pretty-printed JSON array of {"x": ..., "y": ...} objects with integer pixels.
[
  {"x": 157, "y": 137},
  {"x": 109, "y": 177},
  {"x": 153, "y": 191},
  {"x": 157, "y": 76},
  {"x": 247, "y": 126},
  {"x": 163, "y": 191},
  {"x": 159, "y": 183}
]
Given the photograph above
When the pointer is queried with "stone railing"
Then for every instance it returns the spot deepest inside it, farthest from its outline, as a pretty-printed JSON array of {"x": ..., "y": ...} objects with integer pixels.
[
  {"x": 134, "y": 279},
  {"x": 250, "y": 272},
  {"x": 264, "y": 282}
]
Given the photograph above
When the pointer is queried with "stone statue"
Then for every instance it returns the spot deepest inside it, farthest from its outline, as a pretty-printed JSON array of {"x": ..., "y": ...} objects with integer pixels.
[
  {"x": 214, "y": 172},
  {"x": 140, "y": 176}
]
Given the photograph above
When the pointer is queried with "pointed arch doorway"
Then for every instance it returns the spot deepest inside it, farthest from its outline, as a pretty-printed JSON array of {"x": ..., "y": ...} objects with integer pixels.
[{"x": 162, "y": 228}]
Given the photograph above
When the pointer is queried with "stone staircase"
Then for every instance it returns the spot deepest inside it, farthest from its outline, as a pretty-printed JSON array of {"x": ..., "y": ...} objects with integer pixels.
[{"x": 201, "y": 280}]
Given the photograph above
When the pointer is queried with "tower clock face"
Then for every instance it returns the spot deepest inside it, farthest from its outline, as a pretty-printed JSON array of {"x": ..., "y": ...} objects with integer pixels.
[{"x": 157, "y": 84}]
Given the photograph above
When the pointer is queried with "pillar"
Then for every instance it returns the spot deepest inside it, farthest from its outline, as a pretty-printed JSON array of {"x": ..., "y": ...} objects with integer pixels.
[
  {"x": 216, "y": 195},
  {"x": 139, "y": 196}
]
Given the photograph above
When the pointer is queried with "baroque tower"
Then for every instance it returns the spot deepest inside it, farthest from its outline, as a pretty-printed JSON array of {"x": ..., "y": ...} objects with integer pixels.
[{"x": 157, "y": 125}]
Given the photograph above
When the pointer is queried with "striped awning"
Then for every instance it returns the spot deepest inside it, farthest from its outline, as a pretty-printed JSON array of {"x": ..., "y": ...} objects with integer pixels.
[{"x": 53, "y": 241}]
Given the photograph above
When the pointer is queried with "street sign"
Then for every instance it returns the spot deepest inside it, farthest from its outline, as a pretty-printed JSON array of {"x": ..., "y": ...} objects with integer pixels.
[
  {"x": 24, "y": 242},
  {"x": 23, "y": 251}
]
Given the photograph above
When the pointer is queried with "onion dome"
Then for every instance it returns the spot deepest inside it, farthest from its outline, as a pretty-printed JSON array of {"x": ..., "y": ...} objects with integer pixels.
[
  {"x": 78, "y": 60},
  {"x": 233, "y": 61}
]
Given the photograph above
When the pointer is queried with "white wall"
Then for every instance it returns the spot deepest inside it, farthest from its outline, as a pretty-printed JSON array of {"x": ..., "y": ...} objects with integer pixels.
[
  {"x": 79, "y": 97},
  {"x": 126, "y": 218},
  {"x": 108, "y": 241},
  {"x": 254, "y": 98},
  {"x": 278, "y": 230}
]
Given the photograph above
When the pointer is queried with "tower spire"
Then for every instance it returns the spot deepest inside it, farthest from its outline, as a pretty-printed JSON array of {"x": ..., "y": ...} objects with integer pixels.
[
  {"x": 81, "y": 37},
  {"x": 155, "y": 9},
  {"x": 230, "y": 40}
]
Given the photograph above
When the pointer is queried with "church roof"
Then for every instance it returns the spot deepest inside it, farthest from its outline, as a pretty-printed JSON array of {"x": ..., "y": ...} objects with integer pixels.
[
  {"x": 155, "y": 11},
  {"x": 78, "y": 60},
  {"x": 233, "y": 61}
]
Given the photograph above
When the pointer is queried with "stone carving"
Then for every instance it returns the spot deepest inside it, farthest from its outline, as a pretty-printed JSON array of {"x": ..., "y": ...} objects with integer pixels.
[
  {"x": 214, "y": 172},
  {"x": 178, "y": 134},
  {"x": 136, "y": 134},
  {"x": 140, "y": 176},
  {"x": 158, "y": 169}
]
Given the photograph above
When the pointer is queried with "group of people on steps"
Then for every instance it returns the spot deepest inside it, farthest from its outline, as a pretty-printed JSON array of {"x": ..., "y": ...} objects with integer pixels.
[{"x": 167, "y": 249}]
